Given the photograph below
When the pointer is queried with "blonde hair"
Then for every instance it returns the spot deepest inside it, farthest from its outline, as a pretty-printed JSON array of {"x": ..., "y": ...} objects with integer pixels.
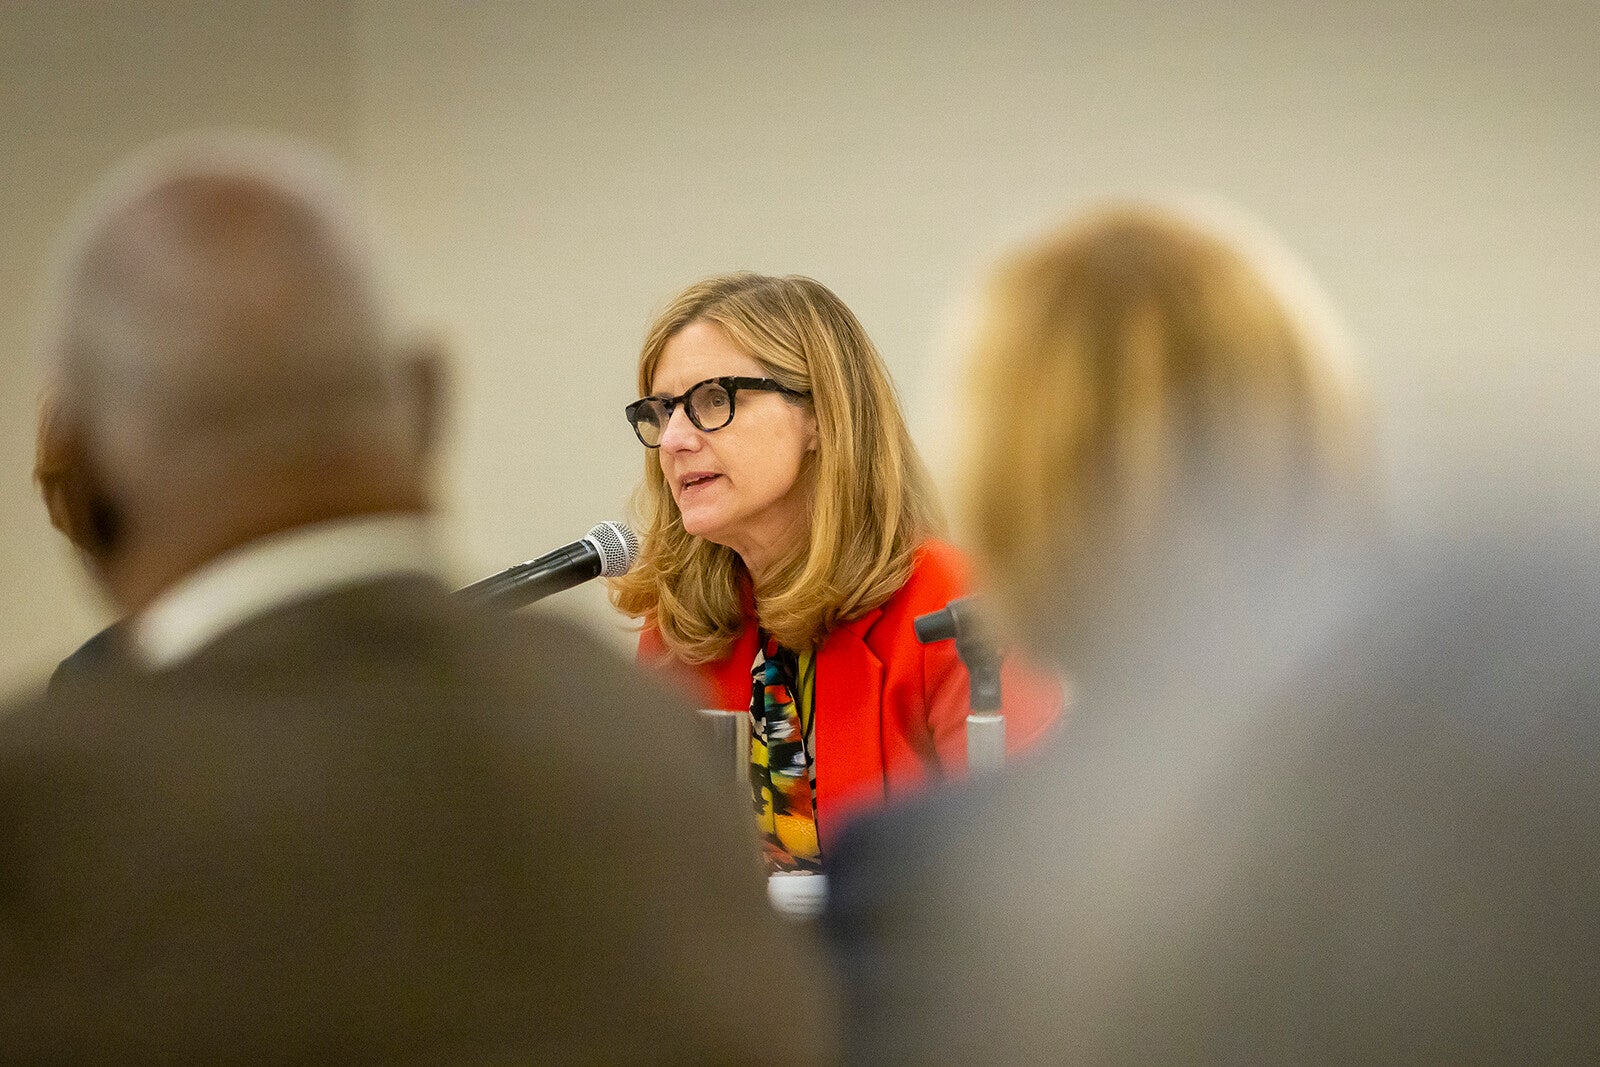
[
  {"x": 872, "y": 500},
  {"x": 1138, "y": 374}
]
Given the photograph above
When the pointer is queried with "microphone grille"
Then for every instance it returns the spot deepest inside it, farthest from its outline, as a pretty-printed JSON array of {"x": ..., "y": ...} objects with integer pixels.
[{"x": 618, "y": 546}]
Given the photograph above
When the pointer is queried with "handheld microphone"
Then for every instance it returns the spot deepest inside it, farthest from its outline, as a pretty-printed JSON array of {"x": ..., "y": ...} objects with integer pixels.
[{"x": 608, "y": 551}]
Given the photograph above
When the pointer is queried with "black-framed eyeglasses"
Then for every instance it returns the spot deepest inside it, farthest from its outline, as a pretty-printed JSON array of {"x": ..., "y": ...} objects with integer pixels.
[{"x": 709, "y": 405}]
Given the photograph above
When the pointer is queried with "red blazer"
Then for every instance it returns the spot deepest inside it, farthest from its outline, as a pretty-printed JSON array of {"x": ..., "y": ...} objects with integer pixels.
[{"x": 890, "y": 712}]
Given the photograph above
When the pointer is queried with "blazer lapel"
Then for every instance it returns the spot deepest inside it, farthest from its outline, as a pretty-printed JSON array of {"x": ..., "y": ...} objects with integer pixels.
[{"x": 848, "y": 694}]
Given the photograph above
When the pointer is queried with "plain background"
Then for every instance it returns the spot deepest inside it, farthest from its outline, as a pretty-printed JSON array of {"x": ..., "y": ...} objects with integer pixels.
[{"x": 547, "y": 175}]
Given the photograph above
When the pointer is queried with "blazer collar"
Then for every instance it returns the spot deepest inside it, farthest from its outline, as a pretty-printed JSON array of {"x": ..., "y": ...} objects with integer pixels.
[{"x": 860, "y": 626}]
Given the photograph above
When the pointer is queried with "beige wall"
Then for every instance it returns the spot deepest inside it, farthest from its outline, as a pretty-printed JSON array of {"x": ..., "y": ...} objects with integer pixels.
[
  {"x": 82, "y": 83},
  {"x": 551, "y": 172},
  {"x": 559, "y": 169}
]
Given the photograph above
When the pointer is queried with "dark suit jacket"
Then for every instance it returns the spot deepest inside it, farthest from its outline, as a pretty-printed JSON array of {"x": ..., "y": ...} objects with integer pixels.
[
  {"x": 97, "y": 653},
  {"x": 378, "y": 826}
]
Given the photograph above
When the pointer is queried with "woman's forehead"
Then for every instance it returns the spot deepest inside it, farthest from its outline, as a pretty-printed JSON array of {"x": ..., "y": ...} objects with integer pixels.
[{"x": 699, "y": 351}]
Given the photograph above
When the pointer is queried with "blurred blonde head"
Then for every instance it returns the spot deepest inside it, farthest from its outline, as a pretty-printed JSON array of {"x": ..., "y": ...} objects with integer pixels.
[
  {"x": 1144, "y": 382},
  {"x": 871, "y": 499}
]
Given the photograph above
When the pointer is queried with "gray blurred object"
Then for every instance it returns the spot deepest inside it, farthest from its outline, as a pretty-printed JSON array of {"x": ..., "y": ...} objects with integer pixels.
[
  {"x": 1386, "y": 851},
  {"x": 1282, "y": 823},
  {"x": 729, "y": 742}
]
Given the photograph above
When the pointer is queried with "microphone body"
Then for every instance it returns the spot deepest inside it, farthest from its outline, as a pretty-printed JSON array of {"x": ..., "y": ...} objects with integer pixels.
[
  {"x": 961, "y": 621},
  {"x": 955, "y": 620},
  {"x": 609, "y": 550}
]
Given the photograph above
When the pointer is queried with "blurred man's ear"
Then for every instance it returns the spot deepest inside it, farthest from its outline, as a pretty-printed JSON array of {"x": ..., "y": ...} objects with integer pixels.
[
  {"x": 78, "y": 504},
  {"x": 424, "y": 378}
]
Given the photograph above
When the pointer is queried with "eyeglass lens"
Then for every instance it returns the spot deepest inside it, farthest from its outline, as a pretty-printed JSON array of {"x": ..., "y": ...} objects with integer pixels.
[{"x": 710, "y": 408}]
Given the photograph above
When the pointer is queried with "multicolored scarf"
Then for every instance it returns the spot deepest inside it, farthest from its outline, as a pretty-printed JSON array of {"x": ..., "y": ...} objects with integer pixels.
[{"x": 783, "y": 771}]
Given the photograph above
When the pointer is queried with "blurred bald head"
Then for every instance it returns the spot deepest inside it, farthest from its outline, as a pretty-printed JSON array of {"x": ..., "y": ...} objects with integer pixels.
[{"x": 223, "y": 356}]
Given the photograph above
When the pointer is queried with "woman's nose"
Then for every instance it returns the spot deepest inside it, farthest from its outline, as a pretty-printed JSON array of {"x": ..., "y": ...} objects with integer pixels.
[{"x": 679, "y": 433}]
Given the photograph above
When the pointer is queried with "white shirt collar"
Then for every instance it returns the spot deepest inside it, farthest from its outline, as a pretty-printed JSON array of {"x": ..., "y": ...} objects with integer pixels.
[{"x": 274, "y": 571}]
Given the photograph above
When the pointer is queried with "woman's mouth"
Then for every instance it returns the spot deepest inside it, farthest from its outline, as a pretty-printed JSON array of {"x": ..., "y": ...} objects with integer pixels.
[{"x": 695, "y": 481}]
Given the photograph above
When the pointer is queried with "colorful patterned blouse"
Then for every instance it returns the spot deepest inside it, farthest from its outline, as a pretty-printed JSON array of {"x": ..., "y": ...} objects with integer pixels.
[{"x": 783, "y": 771}]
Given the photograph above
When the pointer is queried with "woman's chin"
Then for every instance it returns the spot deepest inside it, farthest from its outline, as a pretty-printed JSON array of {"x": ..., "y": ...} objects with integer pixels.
[{"x": 704, "y": 527}]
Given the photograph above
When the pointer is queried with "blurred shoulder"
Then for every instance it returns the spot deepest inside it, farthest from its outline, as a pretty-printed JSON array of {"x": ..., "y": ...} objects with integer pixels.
[
  {"x": 891, "y": 869},
  {"x": 49, "y": 740},
  {"x": 564, "y": 655},
  {"x": 21, "y": 720},
  {"x": 77, "y": 703}
]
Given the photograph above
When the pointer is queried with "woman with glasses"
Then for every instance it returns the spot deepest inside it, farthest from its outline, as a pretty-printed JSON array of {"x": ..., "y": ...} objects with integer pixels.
[{"x": 790, "y": 537}]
